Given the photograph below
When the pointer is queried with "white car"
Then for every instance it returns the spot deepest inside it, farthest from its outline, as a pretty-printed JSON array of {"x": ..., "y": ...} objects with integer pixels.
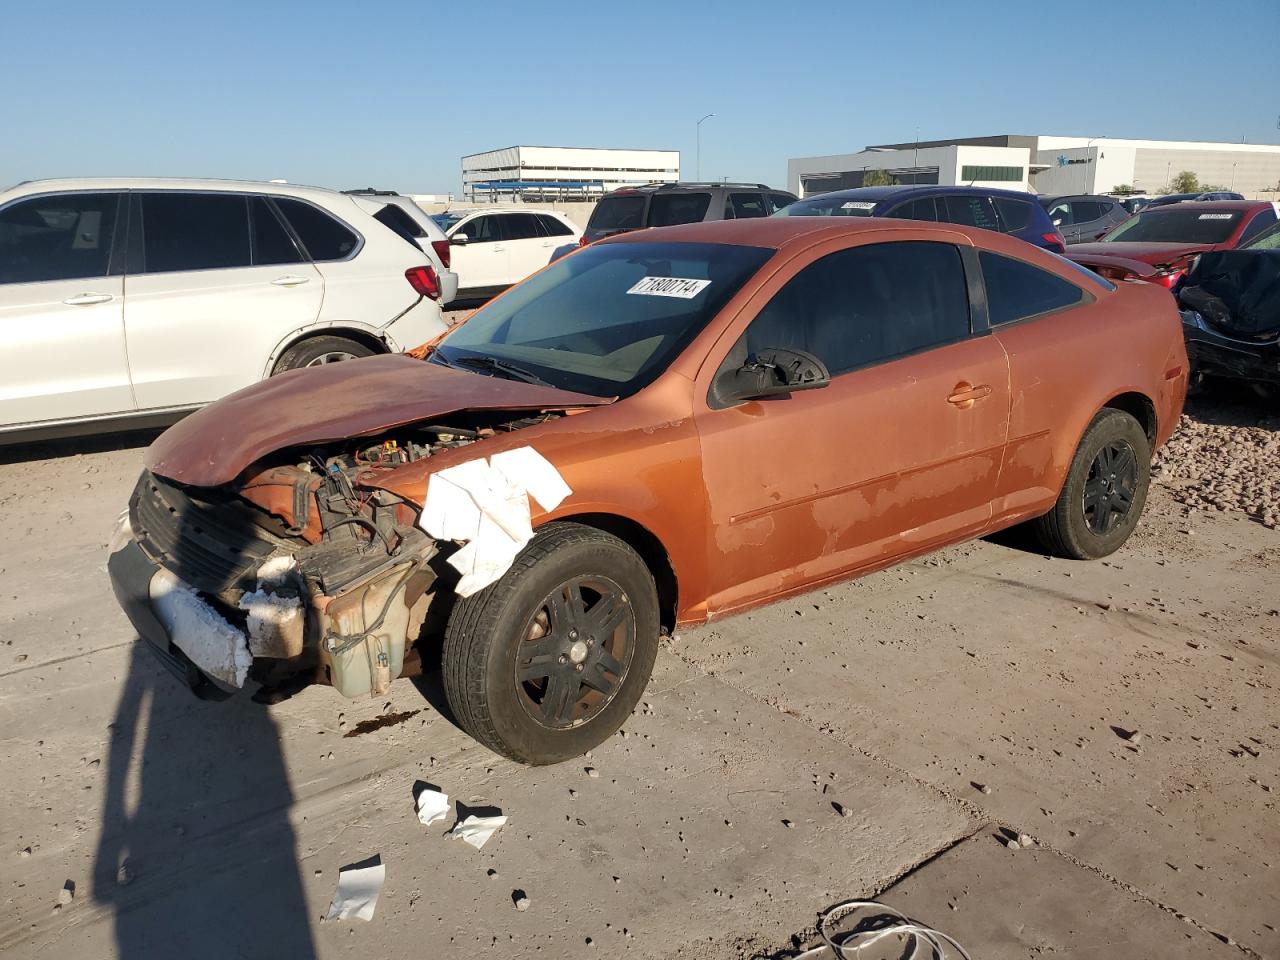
[
  {"x": 406, "y": 218},
  {"x": 128, "y": 303},
  {"x": 493, "y": 248}
]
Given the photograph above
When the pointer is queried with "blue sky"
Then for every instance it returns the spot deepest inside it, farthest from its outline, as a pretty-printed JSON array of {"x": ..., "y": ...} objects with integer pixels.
[{"x": 392, "y": 94}]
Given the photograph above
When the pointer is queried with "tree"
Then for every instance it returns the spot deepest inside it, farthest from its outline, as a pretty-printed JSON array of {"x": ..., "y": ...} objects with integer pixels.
[
  {"x": 1123, "y": 189},
  {"x": 1186, "y": 181},
  {"x": 878, "y": 178}
]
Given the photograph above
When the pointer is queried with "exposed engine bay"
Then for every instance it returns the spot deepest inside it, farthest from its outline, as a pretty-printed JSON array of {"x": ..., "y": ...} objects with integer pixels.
[{"x": 328, "y": 577}]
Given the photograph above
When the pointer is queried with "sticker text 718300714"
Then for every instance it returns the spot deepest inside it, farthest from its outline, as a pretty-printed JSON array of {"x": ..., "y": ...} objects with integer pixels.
[{"x": 669, "y": 287}]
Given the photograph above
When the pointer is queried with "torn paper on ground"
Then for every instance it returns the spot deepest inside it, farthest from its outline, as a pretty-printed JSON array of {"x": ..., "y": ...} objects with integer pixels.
[
  {"x": 199, "y": 631},
  {"x": 432, "y": 806},
  {"x": 485, "y": 504},
  {"x": 477, "y": 830},
  {"x": 358, "y": 887}
]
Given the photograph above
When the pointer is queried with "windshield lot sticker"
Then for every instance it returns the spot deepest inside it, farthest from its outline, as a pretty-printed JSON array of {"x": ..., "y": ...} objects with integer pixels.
[
  {"x": 857, "y": 205},
  {"x": 669, "y": 287},
  {"x": 1216, "y": 216}
]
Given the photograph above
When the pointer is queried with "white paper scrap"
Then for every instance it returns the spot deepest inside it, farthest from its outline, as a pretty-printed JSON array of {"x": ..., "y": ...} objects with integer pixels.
[
  {"x": 485, "y": 505},
  {"x": 477, "y": 830},
  {"x": 432, "y": 806},
  {"x": 357, "y": 894}
]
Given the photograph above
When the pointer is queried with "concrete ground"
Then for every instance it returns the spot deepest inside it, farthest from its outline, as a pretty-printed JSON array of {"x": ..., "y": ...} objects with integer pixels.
[{"x": 883, "y": 737}]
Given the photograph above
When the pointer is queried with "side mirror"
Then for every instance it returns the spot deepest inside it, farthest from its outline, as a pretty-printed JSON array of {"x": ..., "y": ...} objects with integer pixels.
[
  {"x": 459, "y": 240},
  {"x": 773, "y": 372}
]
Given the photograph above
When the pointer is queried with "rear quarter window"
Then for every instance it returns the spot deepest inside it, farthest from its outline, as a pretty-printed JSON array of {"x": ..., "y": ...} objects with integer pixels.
[
  {"x": 618, "y": 213},
  {"x": 1014, "y": 214},
  {"x": 323, "y": 236},
  {"x": 1018, "y": 290},
  {"x": 670, "y": 209}
]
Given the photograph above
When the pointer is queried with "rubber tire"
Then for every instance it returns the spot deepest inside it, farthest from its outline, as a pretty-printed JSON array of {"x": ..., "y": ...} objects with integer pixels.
[
  {"x": 303, "y": 352},
  {"x": 1064, "y": 531},
  {"x": 481, "y": 639}
]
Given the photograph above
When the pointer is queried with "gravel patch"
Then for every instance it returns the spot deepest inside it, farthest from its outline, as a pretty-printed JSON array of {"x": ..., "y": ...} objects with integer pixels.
[{"x": 1225, "y": 458}]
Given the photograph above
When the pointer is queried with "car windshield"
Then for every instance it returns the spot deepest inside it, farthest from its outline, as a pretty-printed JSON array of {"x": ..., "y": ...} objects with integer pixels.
[
  {"x": 608, "y": 319},
  {"x": 829, "y": 205},
  {"x": 618, "y": 213},
  {"x": 1190, "y": 224},
  {"x": 446, "y": 220},
  {"x": 1268, "y": 239}
]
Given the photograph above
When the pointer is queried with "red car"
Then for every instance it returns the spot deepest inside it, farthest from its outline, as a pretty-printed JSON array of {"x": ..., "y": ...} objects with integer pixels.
[{"x": 1167, "y": 238}]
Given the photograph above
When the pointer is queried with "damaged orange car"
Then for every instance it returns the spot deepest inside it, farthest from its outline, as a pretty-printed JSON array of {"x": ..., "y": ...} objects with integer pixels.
[{"x": 661, "y": 428}]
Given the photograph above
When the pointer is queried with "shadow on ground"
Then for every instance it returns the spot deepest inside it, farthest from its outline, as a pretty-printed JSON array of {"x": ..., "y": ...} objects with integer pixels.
[{"x": 197, "y": 856}]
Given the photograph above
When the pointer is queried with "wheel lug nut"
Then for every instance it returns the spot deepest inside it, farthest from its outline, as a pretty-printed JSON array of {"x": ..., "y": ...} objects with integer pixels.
[
  {"x": 578, "y": 667},
  {"x": 573, "y": 634},
  {"x": 591, "y": 641},
  {"x": 562, "y": 659}
]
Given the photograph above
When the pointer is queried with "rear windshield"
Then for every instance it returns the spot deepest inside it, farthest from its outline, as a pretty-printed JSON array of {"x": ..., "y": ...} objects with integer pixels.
[
  {"x": 830, "y": 205},
  {"x": 1181, "y": 225},
  {"x": 609, "y": 319},
  {"x": 669, "y": 209},
  {"x": 618, "y": 213}
]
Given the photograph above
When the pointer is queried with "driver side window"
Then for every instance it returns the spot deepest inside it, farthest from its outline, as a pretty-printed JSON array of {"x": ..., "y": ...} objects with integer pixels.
[
  {"x": 866, "y": 305},
  {"x": 483, "y": 229}
]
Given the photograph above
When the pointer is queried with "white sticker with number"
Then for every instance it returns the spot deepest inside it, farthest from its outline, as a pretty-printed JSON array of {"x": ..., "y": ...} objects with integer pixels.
[
  {"x": 1216, "y": 216},
  {"x": 858, "y": 205},
  {"x": 669, "y": 287}
]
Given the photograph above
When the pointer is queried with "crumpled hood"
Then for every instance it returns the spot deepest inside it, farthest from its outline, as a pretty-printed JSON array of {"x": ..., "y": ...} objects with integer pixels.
[
  {"x": 1152, "y": 253},
  {"x": 333, "y": 402}
]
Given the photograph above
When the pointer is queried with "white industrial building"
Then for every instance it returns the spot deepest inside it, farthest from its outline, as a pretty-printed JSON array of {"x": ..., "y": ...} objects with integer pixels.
[
  {"x": 562, "y": 173},
  {"x": 1049, "y": 165}
]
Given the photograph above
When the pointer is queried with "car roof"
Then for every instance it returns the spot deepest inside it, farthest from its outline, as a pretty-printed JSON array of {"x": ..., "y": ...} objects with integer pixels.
[
  {"x": 1235, "y": 206},
  {"x": 887, "y": 193},
  {"x": 780, "y": 232},
  {"x": 691, "y": 185},
  {"x": 167, "y": 183},
  {"x": 1056, "y": 197}
]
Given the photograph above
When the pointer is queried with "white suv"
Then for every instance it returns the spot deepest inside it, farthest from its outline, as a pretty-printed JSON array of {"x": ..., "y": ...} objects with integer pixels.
[
  {"x": 494, "y": 248},
  {"x": 406, "y": 218},
  {"x": 128, "y": 303}
]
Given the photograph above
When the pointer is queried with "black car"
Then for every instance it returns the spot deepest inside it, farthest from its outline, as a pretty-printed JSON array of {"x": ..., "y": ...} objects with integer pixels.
[
  {"x": 1082, "y": 218},
  {"x": 1230, "y": 303},
  {"x": 1169, "y": 198},
  {"x": 667, "y": 204}
]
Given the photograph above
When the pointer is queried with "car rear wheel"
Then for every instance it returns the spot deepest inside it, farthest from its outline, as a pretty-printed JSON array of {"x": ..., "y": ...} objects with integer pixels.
[
  {"x": 320, "y": 350},
  {"x": 550, "y": 661},
  {"x": 1105, "y": 490}
]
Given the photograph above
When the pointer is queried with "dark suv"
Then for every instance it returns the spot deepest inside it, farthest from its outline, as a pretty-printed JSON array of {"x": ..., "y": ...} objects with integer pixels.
[
  {"x": 1006, "y": 211},
  {"x": 668, "y": 204},
  {"x": 1083, "y": 218}
]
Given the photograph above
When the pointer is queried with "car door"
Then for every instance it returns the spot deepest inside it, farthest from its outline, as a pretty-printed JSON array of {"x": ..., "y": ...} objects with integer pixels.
[
  {"x": 62, "y": 308},
  {"x": 528, "y": 246},
  {"x": 481, "y": 262},
  {"x": 899, "y": 453},
  {"x": 215, "y": 284}
]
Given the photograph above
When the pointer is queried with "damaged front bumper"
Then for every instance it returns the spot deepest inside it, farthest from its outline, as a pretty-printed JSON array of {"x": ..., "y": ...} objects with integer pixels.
[
  {"x": 222, "y": 601},
  {"x": 1212, "y": 352}
]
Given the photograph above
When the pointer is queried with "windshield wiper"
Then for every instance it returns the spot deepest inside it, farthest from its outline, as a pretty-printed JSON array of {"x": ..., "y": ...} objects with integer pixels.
[{"x": 501, "y": 366}]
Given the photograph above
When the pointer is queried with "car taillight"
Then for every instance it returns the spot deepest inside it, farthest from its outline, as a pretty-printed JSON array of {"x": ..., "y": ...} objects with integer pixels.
[
  {"x": 583, "y": 241},
  {"x": 1055, "y": 242},
  {"x": 425, "y": 281},
  {"x": 441, "y": 247}
]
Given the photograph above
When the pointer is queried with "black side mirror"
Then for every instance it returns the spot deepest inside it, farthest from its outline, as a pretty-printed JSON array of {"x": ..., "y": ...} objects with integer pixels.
[{"x": 773, "y": 372}]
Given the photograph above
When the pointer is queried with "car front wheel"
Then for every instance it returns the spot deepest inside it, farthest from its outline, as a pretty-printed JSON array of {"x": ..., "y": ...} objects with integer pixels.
[
  {"x": 1105, "y": 490},
  {"x": 550, "y": 661}
]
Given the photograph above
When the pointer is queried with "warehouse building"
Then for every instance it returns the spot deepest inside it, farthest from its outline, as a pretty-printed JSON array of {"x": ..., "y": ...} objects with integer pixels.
[
  {"x": 1048, "y": 165},
  {"x": 562, "y": 173}
]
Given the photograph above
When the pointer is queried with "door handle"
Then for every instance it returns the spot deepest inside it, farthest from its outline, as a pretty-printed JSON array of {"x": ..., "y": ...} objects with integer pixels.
[
  {"x": 964, "y": 394},
  {"x": 499, "y": 249},
  {"x": 86, "y": 298},
  {"x": 288, "y": 280}
]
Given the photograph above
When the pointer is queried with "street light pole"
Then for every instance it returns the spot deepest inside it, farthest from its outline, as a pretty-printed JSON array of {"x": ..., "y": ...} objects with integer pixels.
[
  {"x": 698, "y": 169},
  {"x": 1085, "y": 175}
]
